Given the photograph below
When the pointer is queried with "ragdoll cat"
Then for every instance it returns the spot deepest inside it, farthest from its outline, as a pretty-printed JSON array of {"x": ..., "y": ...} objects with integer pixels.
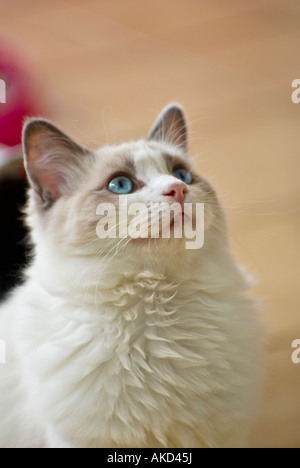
[{"x": 125, "y": 342}]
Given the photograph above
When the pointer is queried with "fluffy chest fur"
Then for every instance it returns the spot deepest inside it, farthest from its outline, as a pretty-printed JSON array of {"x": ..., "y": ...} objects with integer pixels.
[{"x": 152, "y": 365}]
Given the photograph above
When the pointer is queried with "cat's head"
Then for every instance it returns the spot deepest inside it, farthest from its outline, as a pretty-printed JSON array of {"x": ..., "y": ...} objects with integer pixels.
[{"x": 78, "y": 194}]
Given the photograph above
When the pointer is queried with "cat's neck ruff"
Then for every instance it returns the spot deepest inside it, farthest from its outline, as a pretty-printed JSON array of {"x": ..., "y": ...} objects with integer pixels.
[{"x": 95, "y": 281}]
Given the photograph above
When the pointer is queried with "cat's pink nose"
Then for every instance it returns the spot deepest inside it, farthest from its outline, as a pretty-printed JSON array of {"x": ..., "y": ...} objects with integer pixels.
[{"x": 177, "y": 191}]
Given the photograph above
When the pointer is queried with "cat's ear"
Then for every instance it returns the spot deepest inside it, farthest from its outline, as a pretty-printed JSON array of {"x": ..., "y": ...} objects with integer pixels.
[
  {"x": 53, "y": 161},
  {"x": 171, "y": 127}
]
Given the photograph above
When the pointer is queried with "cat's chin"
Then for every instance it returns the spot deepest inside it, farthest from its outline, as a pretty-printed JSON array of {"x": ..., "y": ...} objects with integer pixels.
[{"x": 169, "y": 243}]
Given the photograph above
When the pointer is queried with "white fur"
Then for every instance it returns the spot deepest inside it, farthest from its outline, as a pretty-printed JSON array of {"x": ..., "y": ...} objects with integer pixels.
[{"x": 154, "y": 348}]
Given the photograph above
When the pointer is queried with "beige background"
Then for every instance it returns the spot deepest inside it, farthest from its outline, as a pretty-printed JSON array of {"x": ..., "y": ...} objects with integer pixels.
[{"x": 105, "y": 68}]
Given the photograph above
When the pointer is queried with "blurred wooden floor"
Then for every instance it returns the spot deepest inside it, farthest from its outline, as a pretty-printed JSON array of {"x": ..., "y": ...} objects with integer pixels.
[{"x": 107, "y": 67}]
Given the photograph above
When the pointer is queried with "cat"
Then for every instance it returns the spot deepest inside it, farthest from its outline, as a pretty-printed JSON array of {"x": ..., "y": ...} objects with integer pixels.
[{"x": 125, "y": 342}]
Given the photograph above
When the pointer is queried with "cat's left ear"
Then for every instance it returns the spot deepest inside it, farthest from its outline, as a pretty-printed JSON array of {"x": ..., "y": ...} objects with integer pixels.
[
  {"x": 53, "y": 161},
  {"x": 171, "y": 127}
]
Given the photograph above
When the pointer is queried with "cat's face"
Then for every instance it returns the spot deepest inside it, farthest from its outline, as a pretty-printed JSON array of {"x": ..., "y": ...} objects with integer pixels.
[{"x": 82, "y": 200}]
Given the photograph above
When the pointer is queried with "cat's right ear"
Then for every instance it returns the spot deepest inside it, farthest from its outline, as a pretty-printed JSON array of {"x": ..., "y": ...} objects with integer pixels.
[
  {"x": 52, "y": 160},
  {"x": 171, "y": 127}
]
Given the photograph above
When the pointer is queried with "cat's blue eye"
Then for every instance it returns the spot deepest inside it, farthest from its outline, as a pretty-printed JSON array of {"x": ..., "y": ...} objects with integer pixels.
[
  {"x": 182, "y": 174},
  {"x": 121, "y": 185}
]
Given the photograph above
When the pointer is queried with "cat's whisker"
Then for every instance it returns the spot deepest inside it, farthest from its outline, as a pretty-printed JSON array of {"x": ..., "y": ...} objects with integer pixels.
[{"x": 105, "y": 126}]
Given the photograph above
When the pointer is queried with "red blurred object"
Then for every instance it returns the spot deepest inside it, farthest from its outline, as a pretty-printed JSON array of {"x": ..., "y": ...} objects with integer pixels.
[{"x": 21, "y": 95}]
